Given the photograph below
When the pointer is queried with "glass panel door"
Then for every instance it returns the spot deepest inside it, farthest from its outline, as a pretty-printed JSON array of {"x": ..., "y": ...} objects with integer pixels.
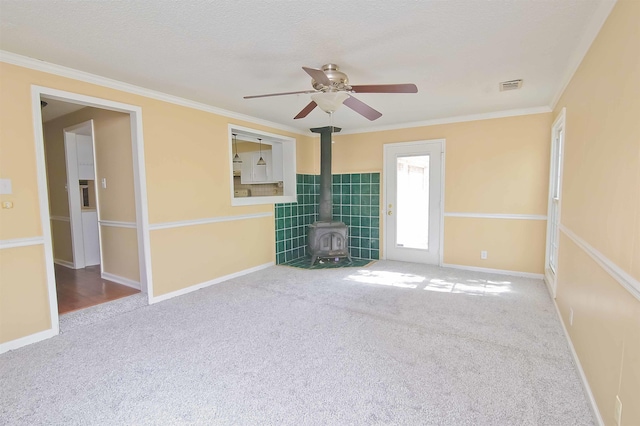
[
  {"x": 412, "y": 203},
  {"x": 412, "y": 185}
]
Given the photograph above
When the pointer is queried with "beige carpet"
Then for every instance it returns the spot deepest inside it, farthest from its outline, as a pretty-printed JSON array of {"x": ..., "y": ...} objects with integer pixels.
[{"x": 392, "y": 343}]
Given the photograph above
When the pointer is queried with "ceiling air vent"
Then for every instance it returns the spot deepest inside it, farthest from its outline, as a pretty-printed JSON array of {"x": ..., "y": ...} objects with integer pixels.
[{"x": 510, "y": 85}]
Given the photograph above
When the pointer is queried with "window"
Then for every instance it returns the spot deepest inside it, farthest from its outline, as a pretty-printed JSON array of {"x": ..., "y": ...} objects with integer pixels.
[
  {"x": 555, "y": 194},
  {"x": 263, "y": 167}
]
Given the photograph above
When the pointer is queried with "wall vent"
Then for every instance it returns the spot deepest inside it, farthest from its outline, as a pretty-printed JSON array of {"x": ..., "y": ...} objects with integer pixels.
[{"x": 510, "y": 85}]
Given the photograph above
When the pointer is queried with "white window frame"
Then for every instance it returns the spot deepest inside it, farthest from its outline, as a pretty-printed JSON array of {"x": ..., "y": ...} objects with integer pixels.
[
  {"x": 288, "y": 163},
  {"x": 555, "y": 183}
]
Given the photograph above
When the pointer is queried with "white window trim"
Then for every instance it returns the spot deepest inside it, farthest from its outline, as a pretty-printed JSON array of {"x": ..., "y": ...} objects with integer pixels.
[
  {"x": 558, "y": 125},
  {"x": 288, "y": 162}
]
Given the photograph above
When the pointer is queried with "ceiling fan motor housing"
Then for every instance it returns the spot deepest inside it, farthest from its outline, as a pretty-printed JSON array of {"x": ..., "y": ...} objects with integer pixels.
[{"x": 339, "y": 80}]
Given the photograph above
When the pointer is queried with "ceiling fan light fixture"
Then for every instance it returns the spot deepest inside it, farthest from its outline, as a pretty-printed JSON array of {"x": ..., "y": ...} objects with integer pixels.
[{"x": 329, "y": 102}]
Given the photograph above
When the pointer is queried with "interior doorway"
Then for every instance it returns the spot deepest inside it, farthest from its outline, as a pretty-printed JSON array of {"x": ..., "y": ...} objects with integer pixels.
[
  {"x": 79, "y": 272},
  {"x": 86, "y": 261},
  {"x": 413, "y": 201},
  {"x": 80, "y": 283}
]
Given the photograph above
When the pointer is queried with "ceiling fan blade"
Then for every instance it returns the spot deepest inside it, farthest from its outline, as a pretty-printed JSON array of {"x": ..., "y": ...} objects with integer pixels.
[
  {"x": 385, "y": 88},
  {"x": 318, "y": 75},
  {"x": 279, "y": 94},
  {"x": 362, "y": 108},
  {"x": 306, "y": 110}
]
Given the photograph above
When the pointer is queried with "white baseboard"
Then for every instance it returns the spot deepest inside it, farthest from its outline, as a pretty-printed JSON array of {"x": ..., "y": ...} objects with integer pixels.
[
  {"x": 195, "y": 287},
  {"x": 27, "y": 340},
  {"x": 120, "y": 280},
  {"x": 64, "y": 263},
  {"x": 494, "y": 271},
  {"x": 576, "y": 360}
]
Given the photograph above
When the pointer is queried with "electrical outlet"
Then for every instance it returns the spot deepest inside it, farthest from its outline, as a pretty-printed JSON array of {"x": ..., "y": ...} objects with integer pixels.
[
  {"x": 483, "y": 254},
  {"x": 570, "y": 316},
  {"x": 618, "y": 412}
]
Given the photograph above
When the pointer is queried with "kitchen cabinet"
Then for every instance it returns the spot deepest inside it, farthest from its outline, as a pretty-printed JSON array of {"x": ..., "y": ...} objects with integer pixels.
[
  {"x": 84, "y": 154},
  {"x": 251, "y": 172}
]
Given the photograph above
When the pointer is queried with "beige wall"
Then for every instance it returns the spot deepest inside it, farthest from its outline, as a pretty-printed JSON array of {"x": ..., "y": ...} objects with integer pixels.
[
  {"x": 188, "y": 177},
  {"x": 252, "y": 146},
  {"x": 512, "y": 245},
  {"x": 601, "y": 205},
  {"x": 492, "y": 166},
  {"x": 24, "y": 304},
  {"x": 225, "y": 248}
]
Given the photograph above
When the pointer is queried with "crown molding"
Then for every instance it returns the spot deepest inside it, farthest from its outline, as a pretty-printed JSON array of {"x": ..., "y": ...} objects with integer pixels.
[
  {"x": 450, "y": 120},
  {"x": 591, "y": 32},
  {"x": 47, "y": 67}
]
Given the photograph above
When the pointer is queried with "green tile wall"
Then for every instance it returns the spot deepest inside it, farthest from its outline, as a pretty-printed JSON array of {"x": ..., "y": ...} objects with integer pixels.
[
  {"x": 293, "y": 219},
  {"x": 356, "y": 202}
]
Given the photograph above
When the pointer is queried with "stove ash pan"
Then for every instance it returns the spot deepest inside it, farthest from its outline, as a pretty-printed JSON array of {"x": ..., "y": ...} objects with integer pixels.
[{"x": 328, "y": 239}]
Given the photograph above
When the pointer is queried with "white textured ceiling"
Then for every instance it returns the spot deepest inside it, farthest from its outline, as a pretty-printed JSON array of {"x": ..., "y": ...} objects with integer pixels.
[
  {"x": 215, "y": 52},
  {"x": 55, "y": 109}
]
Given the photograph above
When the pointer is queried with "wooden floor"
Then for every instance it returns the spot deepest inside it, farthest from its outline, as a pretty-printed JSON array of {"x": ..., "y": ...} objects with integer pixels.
[{"x": 81, "y": 288}]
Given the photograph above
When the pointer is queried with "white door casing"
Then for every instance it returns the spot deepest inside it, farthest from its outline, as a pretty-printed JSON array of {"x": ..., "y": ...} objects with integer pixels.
[
  {"x": 140, "y": 193},
  {"x": 407, "y": 237}
]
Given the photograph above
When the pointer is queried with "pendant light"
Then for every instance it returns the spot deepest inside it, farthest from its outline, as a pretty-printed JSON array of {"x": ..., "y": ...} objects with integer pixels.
[
  {"x": 261, "y": 161},
  {"x": 236, "y": 158}
]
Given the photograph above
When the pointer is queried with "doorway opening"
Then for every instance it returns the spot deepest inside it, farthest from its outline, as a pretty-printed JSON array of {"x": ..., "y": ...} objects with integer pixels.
[
  {"x": 92, "y": 199},
  {"x": 79, "y": 271},
  {"x": 413, "y": 201}
]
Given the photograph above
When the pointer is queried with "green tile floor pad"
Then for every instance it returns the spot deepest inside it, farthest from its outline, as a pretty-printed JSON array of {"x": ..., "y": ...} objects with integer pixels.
[{"x": 305, "y": 263}]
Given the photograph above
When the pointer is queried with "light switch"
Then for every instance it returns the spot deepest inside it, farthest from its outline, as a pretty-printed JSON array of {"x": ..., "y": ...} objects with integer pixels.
[
  {"x": 5, "y": 186},
  {"x": 104, "y": 183}
]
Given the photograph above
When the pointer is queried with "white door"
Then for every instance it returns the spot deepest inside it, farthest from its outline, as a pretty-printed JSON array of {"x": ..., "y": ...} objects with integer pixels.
[{"x": 413, "y": 201}]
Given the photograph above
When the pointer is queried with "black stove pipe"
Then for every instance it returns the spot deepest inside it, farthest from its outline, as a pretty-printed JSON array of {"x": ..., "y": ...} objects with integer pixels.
[{"x": 326, "y": 201}]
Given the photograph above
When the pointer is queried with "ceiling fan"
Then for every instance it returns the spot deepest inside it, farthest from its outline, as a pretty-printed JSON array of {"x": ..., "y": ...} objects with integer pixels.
[{"x": 332, "y": 89}]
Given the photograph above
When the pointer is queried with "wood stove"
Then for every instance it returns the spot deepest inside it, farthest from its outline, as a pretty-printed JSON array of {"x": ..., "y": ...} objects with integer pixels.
[{"x": 327, "y": 238}]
